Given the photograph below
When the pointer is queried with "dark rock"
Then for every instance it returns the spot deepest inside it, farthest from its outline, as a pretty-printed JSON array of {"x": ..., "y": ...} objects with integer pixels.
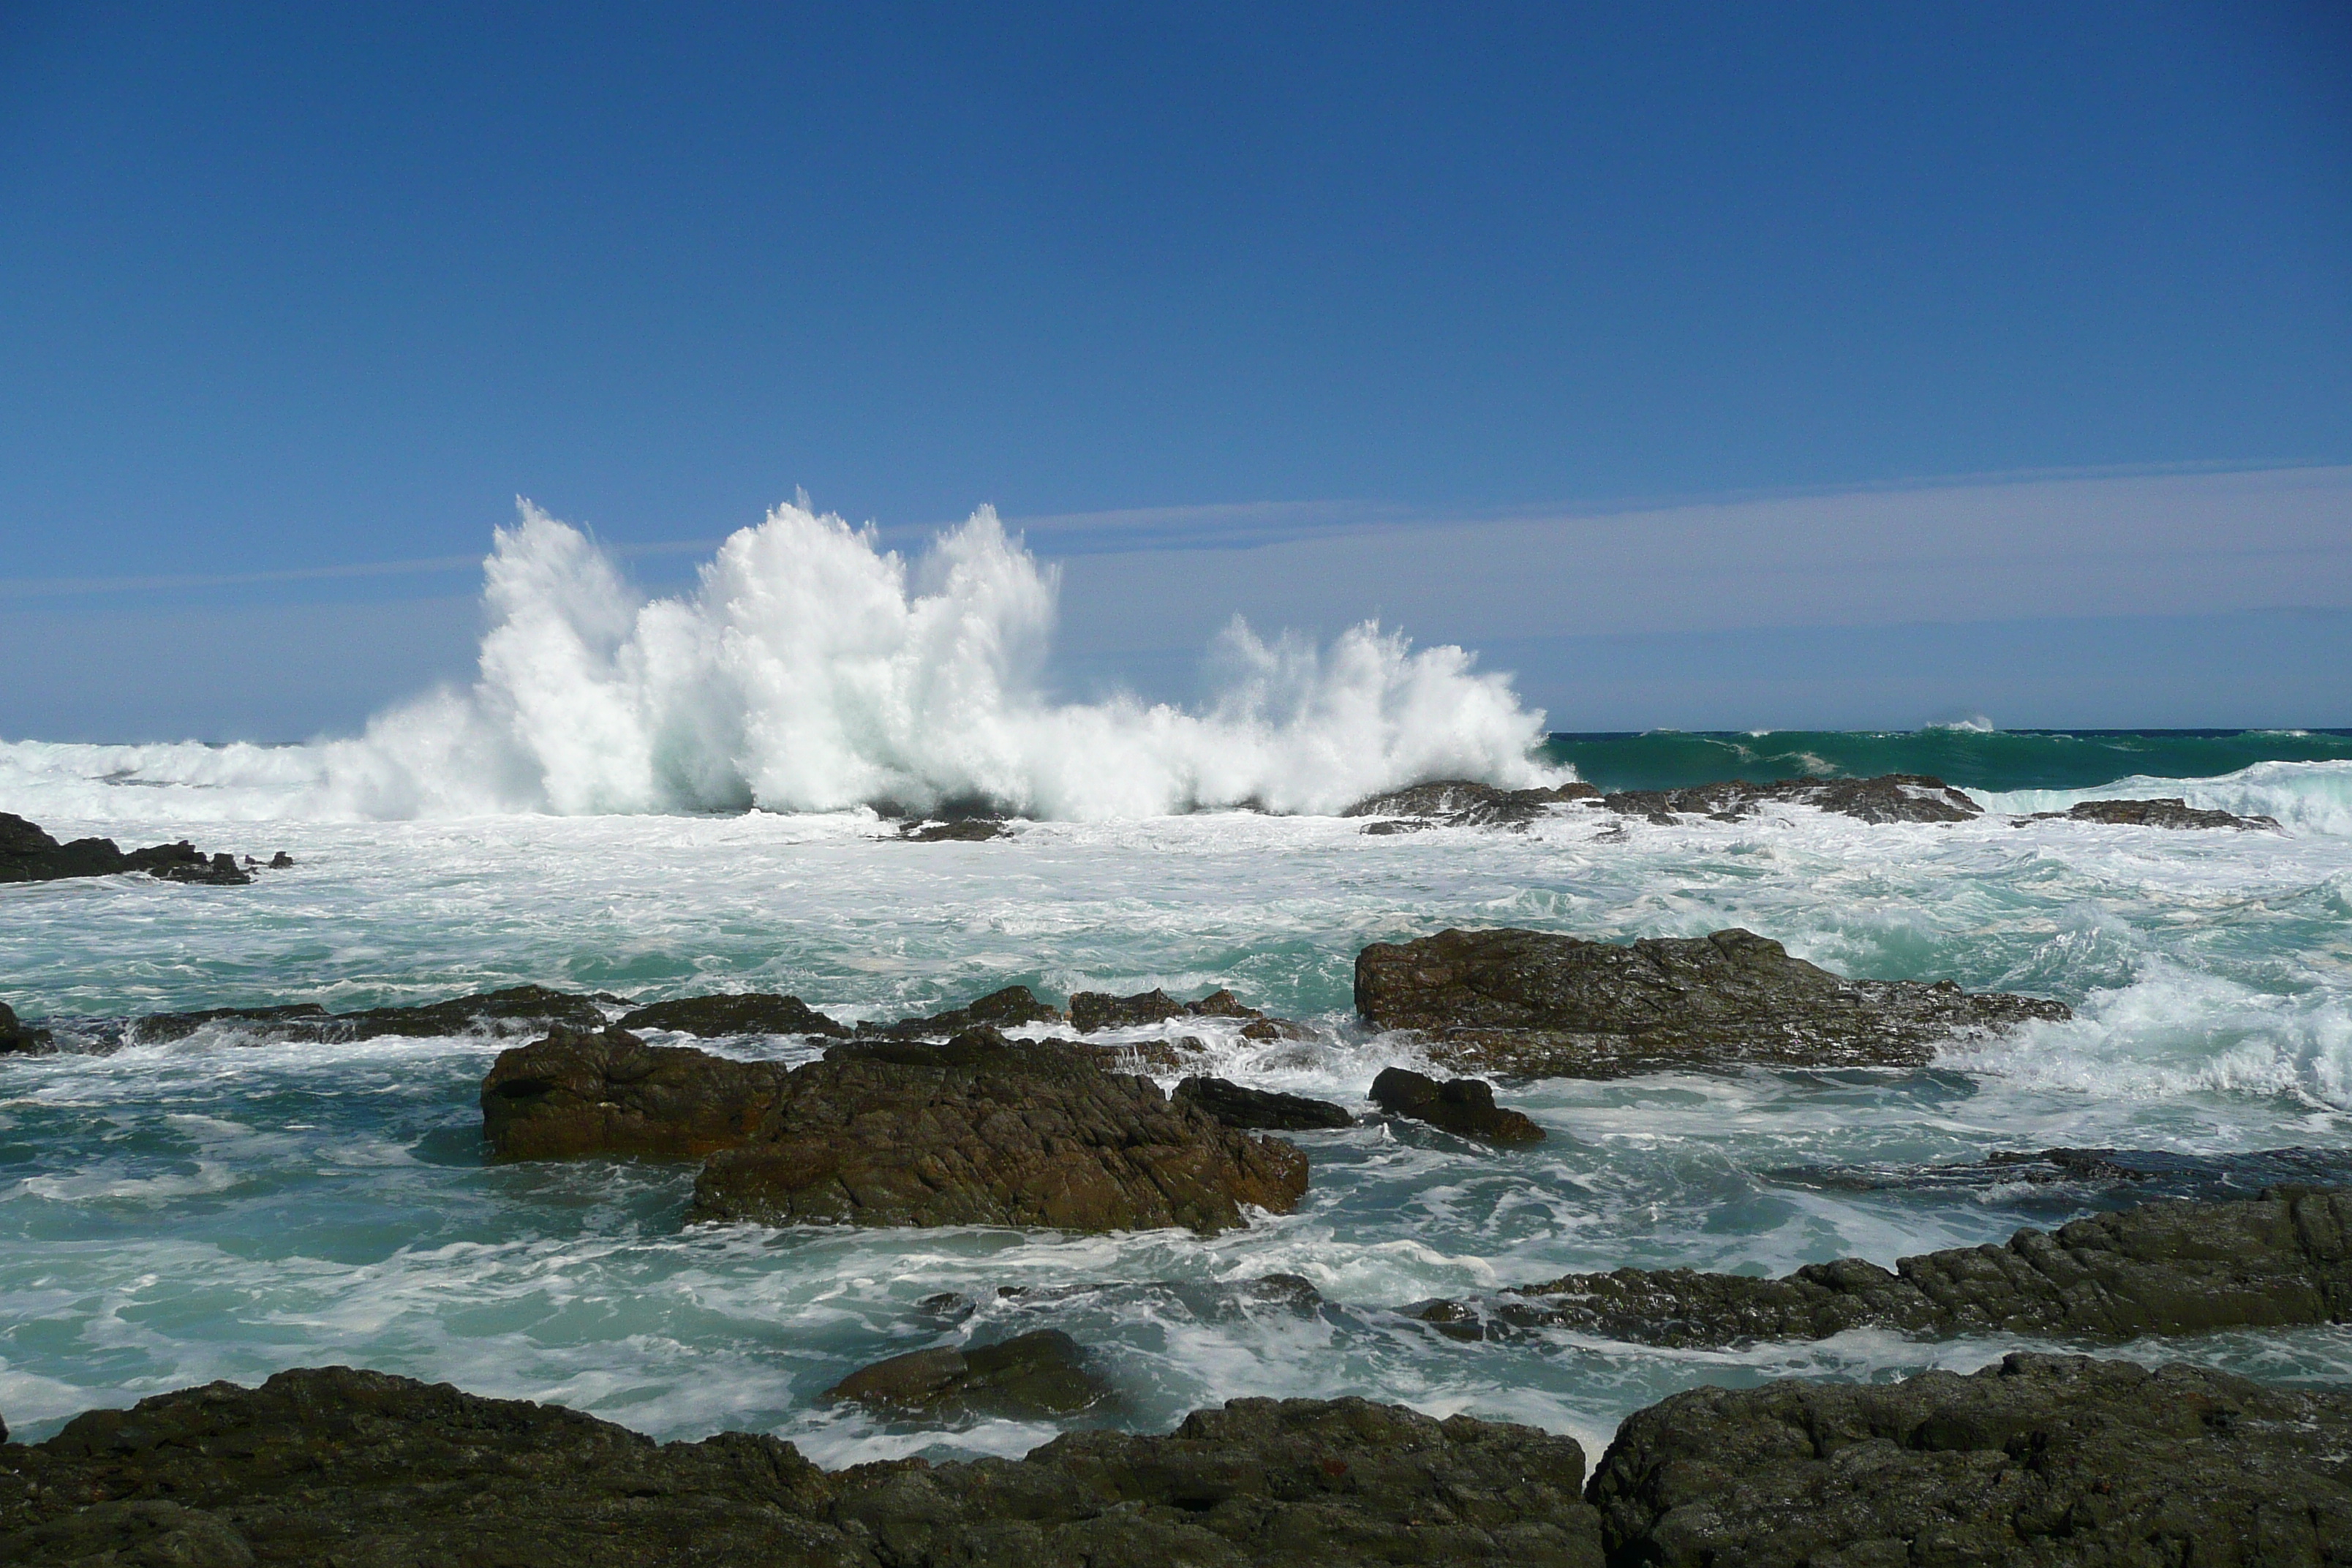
[
  {"x": 750, "y": 1012},
  {"x": 2152, "y": 1172},
  {"x": 2171, "y": 812},
  {"x": 884, "y": 1131},
  {"x": 608, "y": 1092},
  {"x": 1533, "y": 1004},
  {"x": 2051, "y": 1460},
  {"x": 1032, "y": 1377},
  {"x": 1464, "y": 803},
  {"x": 21, "y": 1039},
  {"x": 1463, "y": 1105},
  {"x": 29, "y": 855},
  {"x": 972, "y": 830},
  {"x": 515, "y": 1010},
  {"x": 2175, "y": 1267},
  {"x": 1007, "y": 1009},
  {"x": 1890, "y": 798},
  {"x": 329, "y": 1465},
  {"x": 281, "y": 861},
  {"x": 1236, "y": 1106},
  {"x": 984, "y": 1131},
  {"x": 1094, "y": 1010}
]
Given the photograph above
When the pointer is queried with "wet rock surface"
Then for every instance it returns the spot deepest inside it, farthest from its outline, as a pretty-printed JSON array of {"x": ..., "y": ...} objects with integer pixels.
[
  {"x": 1464, "y": 803},
  {"x": 1009, "y": 1008},
  {"x": 1030, "y": 1377},
  {"x": 20, "y": 1038},
  {"x": 982, "y": 1131},
  {"x": 749, "y": 1012},
  {"x": 333, "y": 1464},
  {"x": 2151, "y": 1173},
  {"x": 28, "y": 854},
  {"x": 1890, "y": 798},
  {"x": 979, "y": 1130},
  {"x": 1093, "y": 1010},
  {"x": 2041, "y": 1459},
  {"x": 970, "y": 830},
  {"x": 2169, "y": 812},
  {"x": 518, "y": 1009},
  {"x": 1534, "y": 1004},
  {"x": 2173, "y": 1267},
  {"x": 1465, "y": 1106},
  {"x": 1267, "y": 1109}
]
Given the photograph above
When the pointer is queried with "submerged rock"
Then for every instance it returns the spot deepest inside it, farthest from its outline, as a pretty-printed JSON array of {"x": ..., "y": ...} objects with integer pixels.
[
  {"x": 515, "y": 1010},
  {"x": 2051, "y": 1460},
  {"x": 748, "y": 1013},
  {"x": 2162, "y": 1268},
  {"x": 1462, "y": 1105},
  {"x": 27, "y": 854},
  {"x": 1031, "y": 1377},
  {"x": 1534, "y": 1004},
  {"x": 969, "y": 830},
  {"x": 979, "y": 1131},
  {"x": 1264, "y": 1109},
  {"x": 2171, "y": 812},
  {"x": 1464, "y": 803},
  {"x": 1009, "y": 1008},
  {"x": 2155, "y": 1171},
  {"x": 984, "y": 1131},
  {"x": 331, "y": 1465},
  {"x": 20, "y": 1038},
  {"x": 1091, "y": 1011}
]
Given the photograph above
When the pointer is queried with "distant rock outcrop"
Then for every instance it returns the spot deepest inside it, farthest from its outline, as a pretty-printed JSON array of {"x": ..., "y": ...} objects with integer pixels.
[
  {"x": 2169, "y": 812},
  {"x": 1094, "y": 1010},
  {"x": 518, "y": 1009},
  {"x": 1463, "y": 1105},
  {"x": 2176, "y": 1268},
  {"x": 2055, "y": 1461},
  {"x": 1535, "y": 1004},
  {"x": 27, "y": 854},
  {"x": 748, "y": 1013},
  {"x": 1462, "y": 803},
  {"x": 979, "y": 1130},
  {"x": 1009, "y": 1008}
]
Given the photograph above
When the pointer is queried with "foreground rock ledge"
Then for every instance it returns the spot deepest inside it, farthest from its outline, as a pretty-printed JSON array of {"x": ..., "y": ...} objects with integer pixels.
[
  {"x": 333, "y": 1465},
  {"x": 2038, "y": 1460},
  {"x": 1531, "y": 1003},
  {"x": 2280, "y": 1260},
  {"x": 979, "y": 1131}
]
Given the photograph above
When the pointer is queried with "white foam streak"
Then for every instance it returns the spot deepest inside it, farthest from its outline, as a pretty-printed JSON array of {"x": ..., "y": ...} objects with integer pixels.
[{"x": 811, "y": 671}]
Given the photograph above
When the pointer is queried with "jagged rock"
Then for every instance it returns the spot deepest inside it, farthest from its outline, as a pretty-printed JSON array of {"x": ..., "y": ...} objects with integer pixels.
[
  {"x": 979, "y": 1131},
  {"x": 749, "y": 1012},
  {"x": 1269, "y": 1110},
  {"x": 984, "y": 1131},
  {"x": 970, "y": 830},
  {"x": 1534, "y": 1004},
  {"x": 2171, "y": 812},
  {"x": 1031, "y": 1377},
  {"x": 329, "y": 1465},
  {"x": 516, "y": 1009},
  {"x": 29, "y": 855},
  {"x": 1094, "y": 1010},
  {"x": 2175, "y": 1267},
  {"x": 2064, "y": 1462},
  {"x": 21, "y": 1039},
  {"x": 2155, "y": 1171},
  {"x": 1007, "y": 1009},
  {"x": 281, "y": 861},
  {"x": 606, "y": 1091},
  {"x": 1464, "y": 803},
  {"x": 1890, "y": 798},
  {"x": 1463, "y": 1105}
]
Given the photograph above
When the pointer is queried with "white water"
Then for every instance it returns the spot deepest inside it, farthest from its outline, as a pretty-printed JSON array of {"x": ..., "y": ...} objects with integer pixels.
[{"x": 811, "y": 671}]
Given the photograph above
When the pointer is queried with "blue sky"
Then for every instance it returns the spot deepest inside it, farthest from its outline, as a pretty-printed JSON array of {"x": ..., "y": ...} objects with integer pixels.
[{"x": 292, "y": 295}]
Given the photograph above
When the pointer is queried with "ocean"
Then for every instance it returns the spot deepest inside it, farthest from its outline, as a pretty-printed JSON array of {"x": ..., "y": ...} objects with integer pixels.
[{"x": 668, "y": 797}]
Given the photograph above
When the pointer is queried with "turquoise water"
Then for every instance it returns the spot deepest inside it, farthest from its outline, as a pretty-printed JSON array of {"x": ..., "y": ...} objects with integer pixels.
[
  {"x": 216, "y": 1208},
  {"x": 1972, "y": 758}
]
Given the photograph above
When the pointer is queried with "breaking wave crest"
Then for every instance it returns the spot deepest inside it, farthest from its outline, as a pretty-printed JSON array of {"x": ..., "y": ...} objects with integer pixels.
[{"x": 811, "y": 671}]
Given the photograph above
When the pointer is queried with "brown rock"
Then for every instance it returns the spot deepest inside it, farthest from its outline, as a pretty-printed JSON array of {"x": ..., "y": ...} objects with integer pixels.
[
  {"x": 608, "y": 1092},
  {"x": 1034, "y": 1376},
  {"x": 748, "y": 1013},
  {"x": 1236, "y": 1106},
  {"x": 2171, "y": 812},
  {"x": 1463, "y": 1105}
]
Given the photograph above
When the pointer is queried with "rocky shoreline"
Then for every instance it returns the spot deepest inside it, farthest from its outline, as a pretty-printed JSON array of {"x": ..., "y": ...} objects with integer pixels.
[{"x": 2038, "y": 1459}]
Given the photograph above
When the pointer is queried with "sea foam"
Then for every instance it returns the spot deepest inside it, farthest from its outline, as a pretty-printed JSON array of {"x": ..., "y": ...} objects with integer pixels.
[{"x": 810, "y": 669}]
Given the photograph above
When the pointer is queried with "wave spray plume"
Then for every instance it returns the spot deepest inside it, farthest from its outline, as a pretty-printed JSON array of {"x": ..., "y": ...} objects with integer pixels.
[{"x": 811, "y": 671}]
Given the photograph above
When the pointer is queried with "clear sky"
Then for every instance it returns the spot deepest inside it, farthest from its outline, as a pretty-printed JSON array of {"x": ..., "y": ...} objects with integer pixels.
[{"x": 313, "y": 290}]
